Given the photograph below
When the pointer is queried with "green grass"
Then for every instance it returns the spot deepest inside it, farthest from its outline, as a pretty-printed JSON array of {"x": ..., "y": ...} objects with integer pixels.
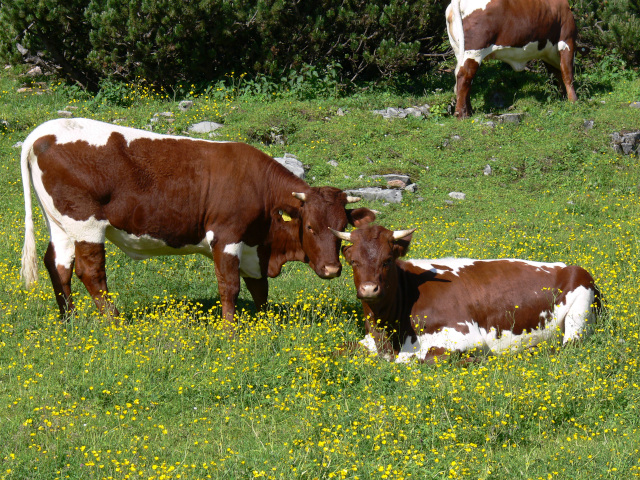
[{"x": 167, "y": 395}]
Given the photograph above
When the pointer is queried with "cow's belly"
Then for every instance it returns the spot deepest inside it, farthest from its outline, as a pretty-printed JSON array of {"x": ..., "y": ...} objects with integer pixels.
[
  {"x": 145, "y": 246},
  {"x": 517, "y": 57},
  {"x": 479, "y": 339}
]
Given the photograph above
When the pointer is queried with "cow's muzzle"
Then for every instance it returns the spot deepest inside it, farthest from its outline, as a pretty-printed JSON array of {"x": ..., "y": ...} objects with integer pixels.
[
  {"x": 330, "y": 271},
  {"x": 369, "y": 291}
]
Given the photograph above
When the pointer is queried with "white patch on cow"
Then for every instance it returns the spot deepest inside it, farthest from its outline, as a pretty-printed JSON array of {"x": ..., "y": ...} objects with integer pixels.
[
  {"x": 210, "y": 236},
  {"x": 577, "y": 313},
  {"x": 455, "y": 265},
  {"x": 145, "y": 246},
  {"x": 249, "y": 261},
  {"x": 95, "y": 133},
  {"x": 63, "y": 246},
  {"x": 516, "y": 57},
  {"x": 467, "y": 7},
  {"x": 562, "y": 46}
]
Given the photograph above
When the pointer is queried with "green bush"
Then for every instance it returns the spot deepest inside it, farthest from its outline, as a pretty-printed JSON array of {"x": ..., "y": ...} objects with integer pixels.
[
  {"x": 609, "y": 27},
  {"x": 167, "y": 41}
]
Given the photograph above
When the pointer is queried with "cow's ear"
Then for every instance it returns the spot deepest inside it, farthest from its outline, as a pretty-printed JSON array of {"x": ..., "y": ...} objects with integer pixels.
[
  {"x": 401, "y": 245},
  {"x": 286, "y": 214},
  {"x": 345, "y": 252},
  {"x": 360, "y": 216}
]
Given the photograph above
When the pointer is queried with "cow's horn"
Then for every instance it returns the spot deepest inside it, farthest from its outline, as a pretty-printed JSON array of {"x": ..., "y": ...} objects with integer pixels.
[
  {"x": 300, "y": 196},
  {"x": 351, "y": 199},
  {"x": 346, "y": 236},
  {"x": 398, "y": 234}
]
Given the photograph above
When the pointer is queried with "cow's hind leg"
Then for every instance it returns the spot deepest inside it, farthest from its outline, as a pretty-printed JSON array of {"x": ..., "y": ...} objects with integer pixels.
[
  {"x": 579, "y": 314},
  {"x": 90, "y": 268},
  {"x": 59, "y": 260},
  {"x": 464, "y": 79}
]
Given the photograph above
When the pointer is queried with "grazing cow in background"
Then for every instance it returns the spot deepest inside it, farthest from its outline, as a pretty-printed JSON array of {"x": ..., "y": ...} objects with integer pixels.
[
  {"x": 514, "y": 31},
  {"x": 153, "y": 194},
  {"x": 428, "y": 308}
]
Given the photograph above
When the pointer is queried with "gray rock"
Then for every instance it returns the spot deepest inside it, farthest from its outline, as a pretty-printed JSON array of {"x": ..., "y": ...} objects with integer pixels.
[
  {"x": 35, "y": 71},
  {"x": 340, "y": 112},
  {"x": 333, "y": 163},
  {"x": 17, "y": 145},
  {"x": 626, "y": 142},
  {"x": 411, "y": 188},
  {"x": 393, "y": 176},
  {"x": 164, "y": 116},
  {"x": 588, "y": 125},
  {"x": 487, "y": 170},
  {"x": 457, "y": 195},
  {"x": 291, "y": 163},
  {"x": 65, "y": 113},
  {"x": 376, "y": 193},
  {"x": 634, "y": 104},
  {"x": 185, "y": 105},
  {"x": 415, "y": 111},
  {"x": 205, "y": 127},
  {"x": 512, "y": 118}
]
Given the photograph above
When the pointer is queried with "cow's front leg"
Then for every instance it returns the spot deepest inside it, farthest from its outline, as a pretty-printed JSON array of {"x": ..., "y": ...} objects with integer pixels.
[
  {"x": 227, "y": 266},
  {"x": 382, "y": 339},
  {"x": 259, "y": 290},
  {"x": 566, "y": 73}
]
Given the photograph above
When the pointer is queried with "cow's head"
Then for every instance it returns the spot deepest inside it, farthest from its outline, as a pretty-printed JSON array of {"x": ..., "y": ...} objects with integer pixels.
[
  {"x": 373, "y": 256},
  {"x": 307, "y": 221}
]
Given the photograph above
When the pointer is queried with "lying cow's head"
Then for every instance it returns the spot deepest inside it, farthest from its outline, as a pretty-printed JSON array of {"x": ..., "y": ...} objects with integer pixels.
[
  {"x": 372, "y": 256},
  {"x": 307, "y": 222}
]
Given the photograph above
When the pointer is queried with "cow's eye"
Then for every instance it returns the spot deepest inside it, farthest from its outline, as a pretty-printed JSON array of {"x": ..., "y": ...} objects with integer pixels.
[
  {"x": 387, "y": 263},
  {"x": 309, "y": 228}
]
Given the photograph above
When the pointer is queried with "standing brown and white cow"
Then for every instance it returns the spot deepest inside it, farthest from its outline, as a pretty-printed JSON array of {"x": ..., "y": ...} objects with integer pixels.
[
  {"x": 153, "y": 194},
  {"x": 514, "y": 31},
  {"x": 427, "y": 308}
]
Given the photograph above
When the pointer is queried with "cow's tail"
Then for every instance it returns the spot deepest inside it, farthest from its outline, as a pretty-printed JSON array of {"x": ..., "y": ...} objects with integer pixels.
[
  {"x": 456, "y": 32},
  {"x": 29, "y": 270}
]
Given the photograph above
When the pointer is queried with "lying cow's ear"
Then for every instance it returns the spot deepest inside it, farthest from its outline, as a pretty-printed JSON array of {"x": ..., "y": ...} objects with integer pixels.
[
  {"x": 360, "y": 216},
  {"x": 345, "y": 252}
]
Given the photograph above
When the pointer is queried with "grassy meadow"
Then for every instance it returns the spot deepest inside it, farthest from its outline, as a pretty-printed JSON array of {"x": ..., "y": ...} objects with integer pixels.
[{"x": 166, "y": 395}]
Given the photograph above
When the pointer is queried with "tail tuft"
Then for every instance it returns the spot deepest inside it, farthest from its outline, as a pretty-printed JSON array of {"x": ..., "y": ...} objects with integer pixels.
[{"x": 29, "y": 270}]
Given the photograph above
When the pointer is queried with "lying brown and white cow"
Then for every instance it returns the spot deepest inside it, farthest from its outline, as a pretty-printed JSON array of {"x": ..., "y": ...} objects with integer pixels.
[
  {"x": 514, "y": 31},
  {"x": 153, "y": 194},
  {"x": 427, "y": 308}
]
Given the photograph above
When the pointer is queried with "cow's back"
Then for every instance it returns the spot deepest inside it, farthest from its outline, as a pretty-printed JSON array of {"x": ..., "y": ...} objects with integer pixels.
[
  {"x": 516, "y": 23},
  {"x": 144, "y": 183},
  {"x": 465, "y": 289}
]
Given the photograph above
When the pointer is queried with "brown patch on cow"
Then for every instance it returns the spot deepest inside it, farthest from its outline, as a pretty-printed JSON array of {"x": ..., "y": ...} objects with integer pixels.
[{"x": 43, "y": 144}]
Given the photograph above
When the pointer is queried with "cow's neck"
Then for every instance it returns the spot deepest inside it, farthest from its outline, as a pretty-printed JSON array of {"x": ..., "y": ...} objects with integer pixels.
[
  {"x": 392, "y": 311},
  {"x": 283, "y": 245}
]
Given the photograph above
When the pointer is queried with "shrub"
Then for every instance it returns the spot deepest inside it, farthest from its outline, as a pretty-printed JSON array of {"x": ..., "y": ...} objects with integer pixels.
[
  {"x": 611, "y": 27},
  {"x": 166, "y": 41}
]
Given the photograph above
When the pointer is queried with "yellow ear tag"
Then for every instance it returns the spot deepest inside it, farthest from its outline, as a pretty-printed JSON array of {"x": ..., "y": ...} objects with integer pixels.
[{"x": 285, "y": 216}]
